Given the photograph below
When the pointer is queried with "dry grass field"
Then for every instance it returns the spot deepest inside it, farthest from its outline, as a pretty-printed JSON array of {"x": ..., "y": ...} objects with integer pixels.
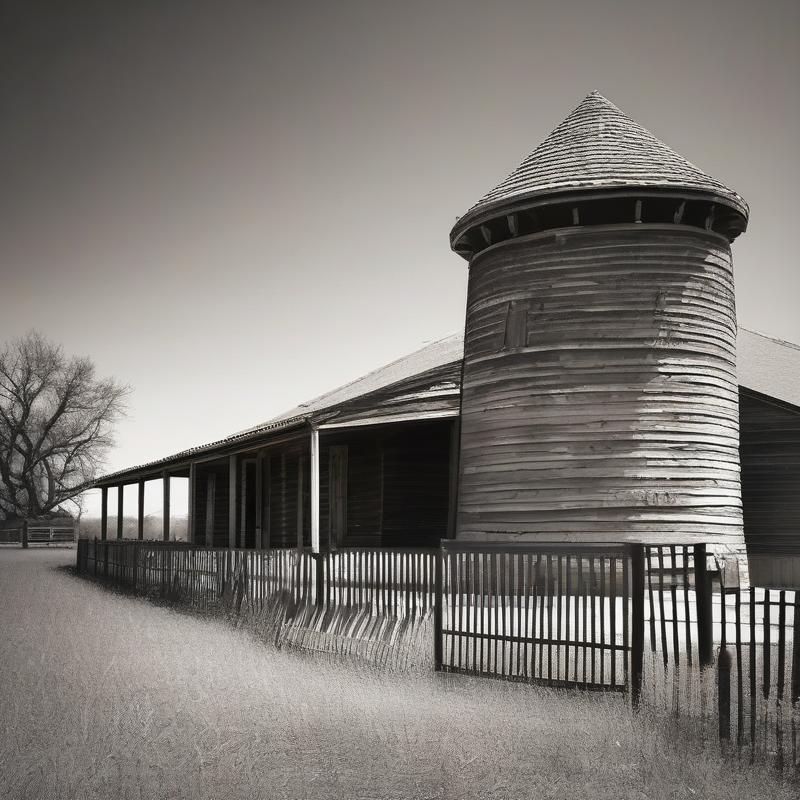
[{"x": 107, "y": 696}]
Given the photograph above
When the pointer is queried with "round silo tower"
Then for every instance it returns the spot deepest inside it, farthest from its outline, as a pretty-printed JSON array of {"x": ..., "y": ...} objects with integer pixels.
[{"x": 600, "y": 398}]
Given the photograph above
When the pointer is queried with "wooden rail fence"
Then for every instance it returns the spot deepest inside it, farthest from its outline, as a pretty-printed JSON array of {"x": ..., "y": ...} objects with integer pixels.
[{"x": 25, "y": 534}]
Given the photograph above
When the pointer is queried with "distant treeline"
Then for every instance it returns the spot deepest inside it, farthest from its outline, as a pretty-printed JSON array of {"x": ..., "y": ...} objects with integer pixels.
[{"x": 153, "y": 529}]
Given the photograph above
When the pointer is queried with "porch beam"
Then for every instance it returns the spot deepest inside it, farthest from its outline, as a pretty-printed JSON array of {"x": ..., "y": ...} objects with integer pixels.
[
  {"x": 222, "y": 454},
  {"x": 140, "y": 511},
  {"x": 120, "y": 508},
  {"x": 314, "y": 490},
  {"x": 104, "y": 512},
  {"x": 166, "y": 509},
  {"x": 233, "y": 474},
  {"x": 364, "y": 421}
]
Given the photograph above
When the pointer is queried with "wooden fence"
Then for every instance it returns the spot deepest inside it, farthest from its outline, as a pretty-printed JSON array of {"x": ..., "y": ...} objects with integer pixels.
[
  {"x": 654, "y": 621},
  {"x": 555, "y": 614},
  {"x": 748, "y": 637},
  {"x": 26, "y": 534},
  {"x": 759, "y": 669}
]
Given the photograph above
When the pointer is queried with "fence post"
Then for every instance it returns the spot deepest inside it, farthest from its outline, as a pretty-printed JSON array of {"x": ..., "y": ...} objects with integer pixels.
[
  {"x": 724, "y": 693},
  {"x": 438, "y": 609},
  {"x": 637, "y": 622},
  {"x": 705, "y": 618},
  {"x": 135, "y": 549},
  {"x": 319, "y": 559},
  {"x": 795, "y": 686},
  {"x": 25, "y": 534},
  {"x": 162, "y": 551}
]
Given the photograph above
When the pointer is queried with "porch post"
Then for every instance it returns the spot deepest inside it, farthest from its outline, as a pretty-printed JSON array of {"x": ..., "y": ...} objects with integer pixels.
[
  {"x": 243, "y": 503},
  {"x": 190, "y": 505},
  {"x": 300, "y": 476},
  {"x": 165, "y": 480},
  {"x": 211, "y": 490},
  {"x": 104, "y": 512},
  {"x": 120, "y": 508},
  {"x": 266, "y": 519},
  {"x": 455, "y": 437},
  {"x": 259, "y": 499},
  {"x": 232, "y": 480},
  {"x": 140, "y": 511},
  {"x": 314, "y": 490}
]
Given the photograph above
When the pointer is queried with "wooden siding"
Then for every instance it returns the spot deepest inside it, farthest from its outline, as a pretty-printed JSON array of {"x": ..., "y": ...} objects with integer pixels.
[
  {"x": 397, "y": 484},
  {"x": 364, "y": 468},
  {"x": 220, "y": 505},
  {"x": 618, "y": 418},
  {"x": 770, "y": 455},
  {"x": 434, "y": 392},
  {"x": 284, "y": 466}
]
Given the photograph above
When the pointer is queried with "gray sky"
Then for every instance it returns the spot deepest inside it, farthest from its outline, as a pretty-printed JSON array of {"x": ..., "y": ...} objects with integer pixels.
[{"x": 235, "y": 206}]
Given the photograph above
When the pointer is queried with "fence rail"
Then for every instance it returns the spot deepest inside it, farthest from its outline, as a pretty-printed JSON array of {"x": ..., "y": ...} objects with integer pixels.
[{"x": 27, "y": 534}]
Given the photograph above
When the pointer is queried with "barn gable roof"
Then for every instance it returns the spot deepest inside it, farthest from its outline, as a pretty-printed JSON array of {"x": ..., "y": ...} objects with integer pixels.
[
  {"x": 596, "y": 147},
  {"x": 768, "y": 366}
]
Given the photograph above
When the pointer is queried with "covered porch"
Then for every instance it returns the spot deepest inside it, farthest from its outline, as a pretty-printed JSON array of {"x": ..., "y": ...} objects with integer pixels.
[{"x": 314, "y": 487}]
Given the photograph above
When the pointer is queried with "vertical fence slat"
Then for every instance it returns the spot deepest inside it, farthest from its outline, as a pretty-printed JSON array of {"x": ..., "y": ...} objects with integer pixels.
[
  {"x": 637, "y": 622},
  {"x": 686, "y": 605},
  {"x": 752, "y": 648}
]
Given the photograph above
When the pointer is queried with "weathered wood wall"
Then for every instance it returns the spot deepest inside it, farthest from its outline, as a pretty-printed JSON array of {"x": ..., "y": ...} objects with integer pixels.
[
  {"x": 416, "y": 485},
  {"x": 284, "y": 471},
  {"x": 397, "y": 487},
  {"x": 770, "y": 455},
  {"x": 600, "y": 394},
  {"x": 364, "y": 466},
  {"x": 432, "y": 392},
  {"x": 219, "y": 469}
]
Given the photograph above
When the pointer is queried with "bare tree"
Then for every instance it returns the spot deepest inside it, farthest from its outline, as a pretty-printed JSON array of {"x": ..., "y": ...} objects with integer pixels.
[{"x": 56, "y": 424}]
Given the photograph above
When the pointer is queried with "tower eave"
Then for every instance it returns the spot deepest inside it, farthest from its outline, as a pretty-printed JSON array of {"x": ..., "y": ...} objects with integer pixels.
[{"x": 575, "y": 194}]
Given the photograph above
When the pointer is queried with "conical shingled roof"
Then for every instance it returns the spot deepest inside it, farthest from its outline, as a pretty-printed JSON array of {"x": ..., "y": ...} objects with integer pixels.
[{"x": 598, "y": 147}]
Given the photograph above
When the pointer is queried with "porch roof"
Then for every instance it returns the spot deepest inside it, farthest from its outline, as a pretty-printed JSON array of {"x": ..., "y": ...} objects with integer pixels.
[{"x": 422, "y": 385}]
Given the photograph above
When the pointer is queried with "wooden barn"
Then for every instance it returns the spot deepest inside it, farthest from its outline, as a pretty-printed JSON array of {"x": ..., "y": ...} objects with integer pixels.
[{"x": 594, "y": 396}]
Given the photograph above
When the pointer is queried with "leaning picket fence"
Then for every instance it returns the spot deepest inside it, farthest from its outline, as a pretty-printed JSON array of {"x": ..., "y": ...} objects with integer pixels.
[{"x": 373, "y": 604}]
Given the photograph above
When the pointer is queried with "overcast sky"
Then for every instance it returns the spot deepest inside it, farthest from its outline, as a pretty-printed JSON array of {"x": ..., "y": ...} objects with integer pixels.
[{"x": 235, "y": 206}]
